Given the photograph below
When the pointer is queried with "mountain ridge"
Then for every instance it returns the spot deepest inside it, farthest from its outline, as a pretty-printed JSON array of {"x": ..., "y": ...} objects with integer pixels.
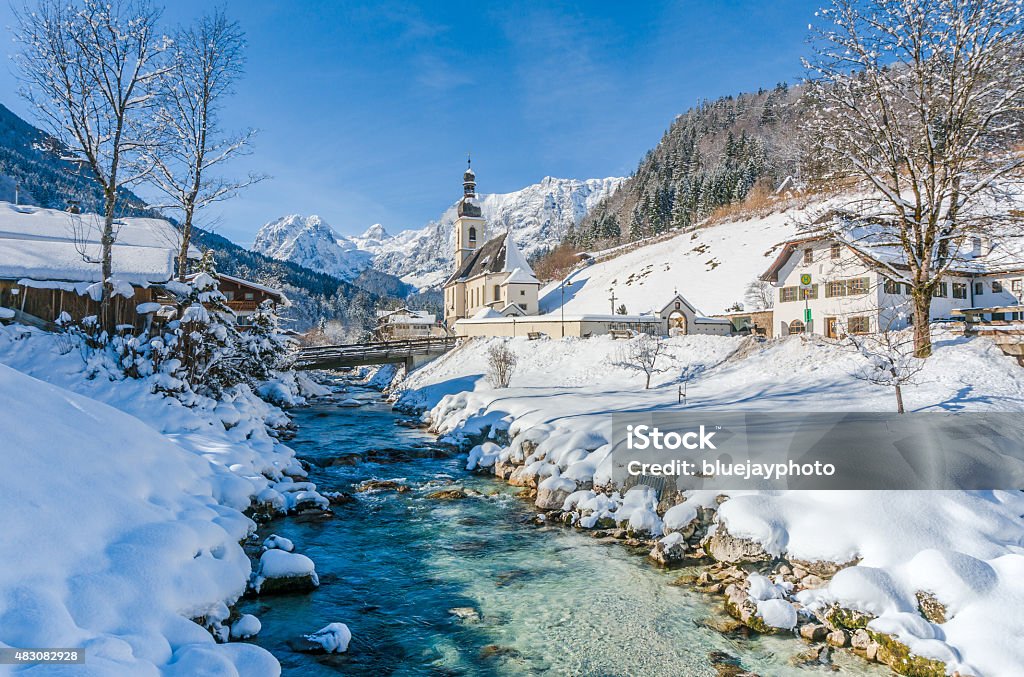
[{"x": 539, "y": 216}]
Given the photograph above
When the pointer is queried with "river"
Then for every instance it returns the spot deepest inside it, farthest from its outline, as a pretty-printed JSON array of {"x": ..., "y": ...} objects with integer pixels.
[{"x": 533, "y": 599}]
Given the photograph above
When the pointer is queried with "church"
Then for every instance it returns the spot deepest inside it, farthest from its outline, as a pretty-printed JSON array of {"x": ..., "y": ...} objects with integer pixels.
[{"x": 491, "y": 279}]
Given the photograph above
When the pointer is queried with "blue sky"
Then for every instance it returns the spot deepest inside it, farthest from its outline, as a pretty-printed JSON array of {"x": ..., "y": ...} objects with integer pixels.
[{"x": 366, "y": 110}]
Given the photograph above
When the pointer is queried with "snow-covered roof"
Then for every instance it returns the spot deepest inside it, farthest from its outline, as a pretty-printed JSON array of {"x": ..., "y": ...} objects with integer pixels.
[
  {"x": 514, "y": 258},
  {"x": 48, "y": 244},
  {"x": 483, "y": 317},
  {"x": 520, "y": 276},
  {"x": 872, "y": 240},
  {"x": 270, "y": 291}
]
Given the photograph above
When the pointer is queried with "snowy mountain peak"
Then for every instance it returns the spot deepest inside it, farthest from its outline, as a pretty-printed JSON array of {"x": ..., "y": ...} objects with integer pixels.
[
  {"x": 311, "y": 242},
  {"x": 375, "y": 232},
  {"x": 537, "y": 217}
]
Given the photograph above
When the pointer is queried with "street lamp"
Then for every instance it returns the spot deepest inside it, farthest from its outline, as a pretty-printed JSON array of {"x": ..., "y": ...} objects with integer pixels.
[{"x": 562, "y": 306}]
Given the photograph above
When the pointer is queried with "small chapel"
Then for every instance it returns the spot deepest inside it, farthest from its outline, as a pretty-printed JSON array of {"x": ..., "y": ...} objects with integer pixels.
[{"x": 492, "y": 277}]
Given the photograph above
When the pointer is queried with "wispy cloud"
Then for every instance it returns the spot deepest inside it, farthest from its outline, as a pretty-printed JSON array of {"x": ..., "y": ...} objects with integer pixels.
[
  {"x": 440, "y": 74},
  {"x": 562, "y": 60}
]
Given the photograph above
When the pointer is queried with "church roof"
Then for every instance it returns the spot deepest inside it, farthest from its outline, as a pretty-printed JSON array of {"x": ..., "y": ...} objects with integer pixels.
[{"x": 498, "y": 255}]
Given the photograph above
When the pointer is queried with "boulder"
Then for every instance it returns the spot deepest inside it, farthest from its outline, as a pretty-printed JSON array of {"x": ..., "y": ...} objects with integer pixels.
[
  {"x": 333, "y": 638},
  {"x": 669, "y": 550},
  {"x": 282, "y": 572},
  {"x": 813, "y": 632},
  {"x": 448, "y": 494},
  {"x": 553, "y": 491},
  {"x": 837, "y": 638},
  {"x": 725, "y": 547},
  {"x": 931, "y": 608}
]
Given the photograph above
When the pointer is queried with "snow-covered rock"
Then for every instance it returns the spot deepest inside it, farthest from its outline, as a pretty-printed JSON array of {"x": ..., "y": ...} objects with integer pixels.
[
  {"x": 280, "y": 571},
  {"x": 333, "y": 638},
  {"x": 275, "y": 542},
  {"x": 245, "y": 627}
]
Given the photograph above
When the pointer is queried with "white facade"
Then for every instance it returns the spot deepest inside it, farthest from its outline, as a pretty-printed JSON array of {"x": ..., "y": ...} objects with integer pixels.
[{"x": 848, "y": 295}]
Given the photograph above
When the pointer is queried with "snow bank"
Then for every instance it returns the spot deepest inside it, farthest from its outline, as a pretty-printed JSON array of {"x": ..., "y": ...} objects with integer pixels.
[{"x": 121, "y": 547}]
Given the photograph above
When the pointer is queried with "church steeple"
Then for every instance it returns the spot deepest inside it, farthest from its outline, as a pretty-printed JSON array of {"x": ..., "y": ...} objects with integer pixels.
[
  {"x": 469, "y": 179},
  {"x": 469, "y": 227}
]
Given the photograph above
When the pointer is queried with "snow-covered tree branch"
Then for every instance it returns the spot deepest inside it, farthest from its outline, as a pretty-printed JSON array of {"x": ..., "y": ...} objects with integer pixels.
[
  {"x": 88, "y": 68},
  {"x": 206, "y": 59},
  {"x": 922, "y": 101}
]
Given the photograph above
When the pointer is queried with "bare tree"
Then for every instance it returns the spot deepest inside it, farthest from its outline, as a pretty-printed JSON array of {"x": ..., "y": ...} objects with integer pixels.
[
  {"x": 642, "y": 354},
  {"x": 760, "y": 295},
  {"x": 206, "y": 59},
  {"x": 920, "y": 101},
  {"x": 88, "y": 69},
  {"x": 501, "y": 363},
  {"x": 891, "y": 359}
]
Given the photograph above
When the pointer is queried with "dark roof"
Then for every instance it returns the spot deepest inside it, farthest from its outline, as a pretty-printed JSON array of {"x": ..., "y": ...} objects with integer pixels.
[
  {"x": 490, "y": 258},
  {"x": 469, "y": 207}
]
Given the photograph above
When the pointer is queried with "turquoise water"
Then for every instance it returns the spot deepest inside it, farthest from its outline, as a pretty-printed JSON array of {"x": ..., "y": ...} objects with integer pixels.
[{"x": 535, "y": 600}]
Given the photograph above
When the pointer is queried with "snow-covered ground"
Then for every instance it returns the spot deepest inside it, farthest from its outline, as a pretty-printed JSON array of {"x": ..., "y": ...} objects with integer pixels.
[
  {"x": 965, "y": 548},
  {"x": 711, "y": 267},
  {"x": 122, "y": 514}
]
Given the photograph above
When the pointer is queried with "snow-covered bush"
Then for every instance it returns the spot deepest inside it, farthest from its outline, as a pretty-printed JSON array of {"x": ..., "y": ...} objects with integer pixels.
[{"x": 501, "y": 363}]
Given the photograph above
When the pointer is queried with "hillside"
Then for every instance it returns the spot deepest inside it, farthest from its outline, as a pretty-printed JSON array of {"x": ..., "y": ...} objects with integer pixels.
[
  {"x": 539, "y": 216},
  {"x": 711, "y": 267},
  {"x": 711, "y": 156},
  {"x": 30, "y": 159}
]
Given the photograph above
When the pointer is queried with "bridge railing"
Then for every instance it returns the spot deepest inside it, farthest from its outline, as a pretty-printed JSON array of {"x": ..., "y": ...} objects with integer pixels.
[{"x": 409, "y": 347}]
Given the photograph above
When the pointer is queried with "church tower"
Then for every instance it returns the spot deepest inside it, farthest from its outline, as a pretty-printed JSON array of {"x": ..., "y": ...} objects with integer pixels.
[{"x": 469, "y": 226}]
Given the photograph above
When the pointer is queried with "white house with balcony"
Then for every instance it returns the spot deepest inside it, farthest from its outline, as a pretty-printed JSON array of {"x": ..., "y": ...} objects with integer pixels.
[{"x": 830, "y": 287}]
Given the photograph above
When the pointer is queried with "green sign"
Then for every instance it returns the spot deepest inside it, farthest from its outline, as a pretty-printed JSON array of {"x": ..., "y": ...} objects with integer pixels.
[
  {"x": 805, "y": 279},
  {"x": 807, "y": 315}
]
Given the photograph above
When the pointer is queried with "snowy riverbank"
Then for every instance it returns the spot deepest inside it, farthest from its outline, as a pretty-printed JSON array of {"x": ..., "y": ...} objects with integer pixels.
[
  {"x": 927, "y": 582},
  {"x": 124, "y": 512}
]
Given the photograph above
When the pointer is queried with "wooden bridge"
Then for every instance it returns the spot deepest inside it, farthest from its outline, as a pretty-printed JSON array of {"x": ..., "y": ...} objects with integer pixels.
[{"x": 411, "y": 352}]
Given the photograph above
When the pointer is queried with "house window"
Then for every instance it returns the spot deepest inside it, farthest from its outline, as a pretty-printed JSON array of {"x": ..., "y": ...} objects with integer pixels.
[
  {"x": 959, "y": 290},
  {"x": 229, "y": 295},
  {"x": 997, "y": 286},
  {"x": 249, "y": 296},
  {"x": 860, "y": 324},
  {"x": 796, "y": 327},
  {"x": 808, "y": 256},
  {"x": 523, "y": 306},
  {"x": 858, "y": 285},
  {"x": 835, "y": 288},
  {"x": 1015, "y": 286},
  {"x": 522, "y": 292},
  {"x": 979, "y": 288},
  {"x": 941, "y": 290},
  {"x": 497, "y": 292},
  {"x": 891, "y": 287},
  {"x": 472, "y": 234},
  {"x": 788, "y": 294},
  {"x": 837, "y": 250}
]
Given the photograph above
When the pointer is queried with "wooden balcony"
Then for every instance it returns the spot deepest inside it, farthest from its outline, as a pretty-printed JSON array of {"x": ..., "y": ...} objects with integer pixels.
[{"x": 243, "y": 305}]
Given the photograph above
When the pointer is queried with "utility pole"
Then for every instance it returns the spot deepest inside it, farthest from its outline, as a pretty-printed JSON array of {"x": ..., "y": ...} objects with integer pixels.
[{"x": 562, "y": 307}]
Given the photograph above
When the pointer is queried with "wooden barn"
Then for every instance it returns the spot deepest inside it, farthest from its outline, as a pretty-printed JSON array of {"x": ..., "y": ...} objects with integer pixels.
[
  {"x": 49, "y": 264},
  {"x": 245, "y": 296}
]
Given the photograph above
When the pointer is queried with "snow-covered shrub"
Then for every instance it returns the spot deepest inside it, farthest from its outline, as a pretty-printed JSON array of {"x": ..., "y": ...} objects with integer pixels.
[{"x": 501, "y": 363}]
